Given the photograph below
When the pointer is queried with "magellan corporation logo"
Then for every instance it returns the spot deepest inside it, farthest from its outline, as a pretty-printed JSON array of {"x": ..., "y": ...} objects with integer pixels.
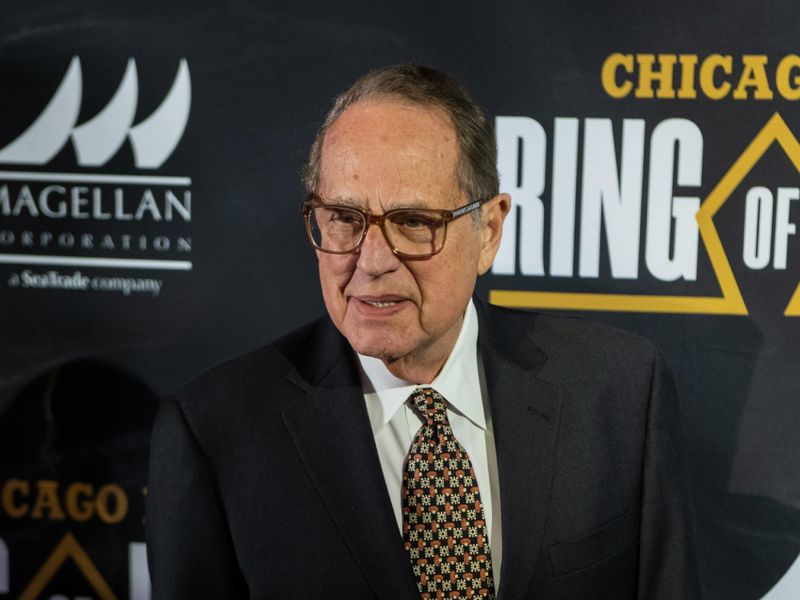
[
  {"x": 88, "y": 219},
  {"x": 603, "y": 205}
]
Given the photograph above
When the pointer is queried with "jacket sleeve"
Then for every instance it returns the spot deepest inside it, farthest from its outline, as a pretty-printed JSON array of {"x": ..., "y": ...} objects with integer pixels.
[
  {"x": 190, "y": 551},
  {"x": 667, "y": 557}
]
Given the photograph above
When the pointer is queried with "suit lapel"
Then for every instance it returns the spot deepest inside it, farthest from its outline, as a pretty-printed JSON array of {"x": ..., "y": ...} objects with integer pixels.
[
  {"x": 331, "y": 431},
  {"x": 525, "y": 417}
]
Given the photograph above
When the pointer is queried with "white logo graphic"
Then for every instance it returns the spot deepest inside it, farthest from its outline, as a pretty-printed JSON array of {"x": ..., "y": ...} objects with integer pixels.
[
  {"x": 153, "y": 140},
  {"x": 789, "y": 585}
]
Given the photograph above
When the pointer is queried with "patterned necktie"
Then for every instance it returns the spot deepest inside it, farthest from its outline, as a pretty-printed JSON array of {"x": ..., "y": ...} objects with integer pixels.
[{"x": 444, "y": 529}]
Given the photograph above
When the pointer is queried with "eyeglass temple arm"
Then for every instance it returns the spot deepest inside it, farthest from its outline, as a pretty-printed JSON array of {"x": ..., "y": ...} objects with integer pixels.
[{"x": 465, "y": 209}]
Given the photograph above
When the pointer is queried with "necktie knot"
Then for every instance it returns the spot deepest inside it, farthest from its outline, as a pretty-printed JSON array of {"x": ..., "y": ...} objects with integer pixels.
[{"x": 429, "y": 404}]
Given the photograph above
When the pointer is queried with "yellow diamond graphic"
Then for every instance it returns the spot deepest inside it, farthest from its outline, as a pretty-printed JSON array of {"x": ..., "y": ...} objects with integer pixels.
[
  {"x": 68, "y": 547},
  {"x": 731, "y": 301}
]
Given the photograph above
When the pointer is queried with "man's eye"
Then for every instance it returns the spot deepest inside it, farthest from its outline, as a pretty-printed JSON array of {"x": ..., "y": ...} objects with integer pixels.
[
  {"x": 415, "y": 221},
  {"x": 345, "y": 217}
]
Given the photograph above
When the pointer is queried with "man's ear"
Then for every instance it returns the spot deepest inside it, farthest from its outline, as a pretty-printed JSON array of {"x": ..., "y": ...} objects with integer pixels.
[{"x": 494, "y": 212}]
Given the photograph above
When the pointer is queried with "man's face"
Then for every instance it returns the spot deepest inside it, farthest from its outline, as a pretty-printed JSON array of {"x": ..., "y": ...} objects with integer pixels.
[{"x": 379, "y": 155}]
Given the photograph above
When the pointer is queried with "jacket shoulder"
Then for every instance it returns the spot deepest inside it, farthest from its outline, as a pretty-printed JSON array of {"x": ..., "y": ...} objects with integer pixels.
[
  {"x": 557, "y": 333},
  {"x": 579, "y": 347},
  {"x": 261, "y": 375}
]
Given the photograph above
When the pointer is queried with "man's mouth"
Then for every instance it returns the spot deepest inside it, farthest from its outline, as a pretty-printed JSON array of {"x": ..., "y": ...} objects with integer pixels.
[{"x": 380, "y": 304}]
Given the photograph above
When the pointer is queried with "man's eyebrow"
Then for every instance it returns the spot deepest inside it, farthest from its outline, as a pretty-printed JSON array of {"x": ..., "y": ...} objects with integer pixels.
[
  {"x": 391, "y": 205},
  {"x": 419, "y": 204},
  {"x": 346, "y": 201}
]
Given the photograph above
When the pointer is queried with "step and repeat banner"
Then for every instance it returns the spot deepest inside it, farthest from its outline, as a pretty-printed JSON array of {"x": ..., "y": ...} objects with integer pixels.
[{"x": 150, "y": 228}]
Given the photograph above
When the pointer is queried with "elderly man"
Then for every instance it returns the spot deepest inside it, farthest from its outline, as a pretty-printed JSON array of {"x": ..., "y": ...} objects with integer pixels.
[{"x": 417, "y": 443}]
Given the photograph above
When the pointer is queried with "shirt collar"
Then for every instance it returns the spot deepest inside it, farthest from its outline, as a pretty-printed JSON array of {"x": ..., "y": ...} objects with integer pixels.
[{"x": 458, "y": 381}]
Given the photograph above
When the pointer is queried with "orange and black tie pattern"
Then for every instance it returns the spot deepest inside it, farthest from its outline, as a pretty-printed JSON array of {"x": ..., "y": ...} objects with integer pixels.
[{"x": 444, "y": 529}]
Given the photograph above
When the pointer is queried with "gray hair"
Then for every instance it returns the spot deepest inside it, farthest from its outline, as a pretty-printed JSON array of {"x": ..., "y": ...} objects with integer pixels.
[{"x": 476, "y": 167}]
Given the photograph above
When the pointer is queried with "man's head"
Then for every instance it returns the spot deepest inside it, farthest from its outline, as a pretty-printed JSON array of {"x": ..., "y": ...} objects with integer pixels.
[
  {"x": 407, "y": 137},
  {"x": 476, "y": 169}
]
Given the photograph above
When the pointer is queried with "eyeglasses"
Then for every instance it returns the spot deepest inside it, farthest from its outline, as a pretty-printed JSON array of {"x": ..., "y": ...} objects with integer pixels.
[{"x": 410, "y": 232}]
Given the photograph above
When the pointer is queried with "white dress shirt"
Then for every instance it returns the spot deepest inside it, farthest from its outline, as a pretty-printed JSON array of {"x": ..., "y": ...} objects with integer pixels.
[{"x": 394, "y": 424}]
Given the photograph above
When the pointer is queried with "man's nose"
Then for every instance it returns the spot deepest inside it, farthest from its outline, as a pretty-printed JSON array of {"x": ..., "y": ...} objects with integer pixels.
[{"x": 375, "y": 256}]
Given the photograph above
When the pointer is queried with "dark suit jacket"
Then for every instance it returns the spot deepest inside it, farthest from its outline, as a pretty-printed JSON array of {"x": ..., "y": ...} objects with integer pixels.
[{"x": 265, "y": 480}]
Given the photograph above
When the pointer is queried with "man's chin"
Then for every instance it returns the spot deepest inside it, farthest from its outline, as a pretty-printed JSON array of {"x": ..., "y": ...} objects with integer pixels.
[
  {"x": 383, "y": 354},
  {"x": 378, "y": 349}
]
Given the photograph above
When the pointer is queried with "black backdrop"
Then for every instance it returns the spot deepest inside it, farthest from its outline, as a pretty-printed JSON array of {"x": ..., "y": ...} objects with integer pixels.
[{"x": 91, "y": 335}]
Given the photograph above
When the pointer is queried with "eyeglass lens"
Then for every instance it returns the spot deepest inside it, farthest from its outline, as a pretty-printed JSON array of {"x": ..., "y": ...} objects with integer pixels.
[{"x": 413, "y": 232}]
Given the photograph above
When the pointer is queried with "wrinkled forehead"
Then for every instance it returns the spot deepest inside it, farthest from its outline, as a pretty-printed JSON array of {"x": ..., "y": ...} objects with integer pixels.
[
  {"x": 385, "y": 146},
  {"x": 389, "y": 121}
]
